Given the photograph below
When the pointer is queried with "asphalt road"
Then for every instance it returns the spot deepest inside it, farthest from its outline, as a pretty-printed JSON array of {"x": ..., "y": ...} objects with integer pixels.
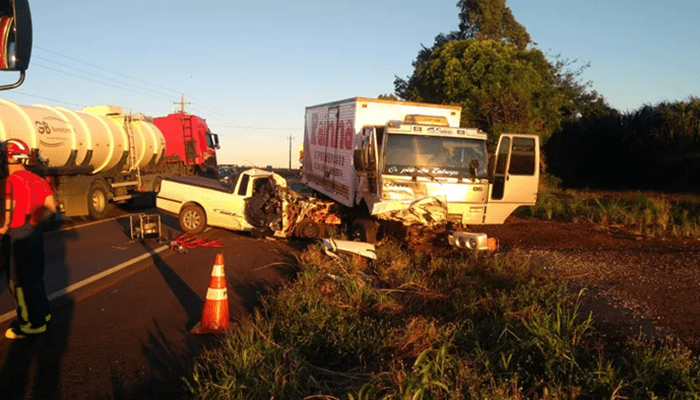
[{"x": 122, "y": 310}]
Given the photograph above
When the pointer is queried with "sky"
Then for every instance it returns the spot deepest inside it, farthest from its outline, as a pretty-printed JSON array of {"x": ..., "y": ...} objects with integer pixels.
[{"x": 249, "y": 68}]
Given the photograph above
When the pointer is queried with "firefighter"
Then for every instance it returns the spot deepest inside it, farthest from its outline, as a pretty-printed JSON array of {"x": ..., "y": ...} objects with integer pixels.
[{"x": 27, "y": 197}]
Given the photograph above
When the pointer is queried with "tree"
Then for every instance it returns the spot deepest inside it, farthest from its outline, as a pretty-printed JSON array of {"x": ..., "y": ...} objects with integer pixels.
[
  {"x": 490, "y": 19},
  {"x": 500, "y": 88}
]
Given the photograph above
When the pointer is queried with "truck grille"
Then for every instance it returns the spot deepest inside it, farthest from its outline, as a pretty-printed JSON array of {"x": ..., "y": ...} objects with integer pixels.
[{"x": 455, "y": 218}]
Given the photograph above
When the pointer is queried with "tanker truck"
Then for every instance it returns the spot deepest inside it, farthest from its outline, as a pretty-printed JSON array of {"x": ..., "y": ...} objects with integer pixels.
[
  {"x": 101, "y": 156},
  {"x": 396, "y": 163}
]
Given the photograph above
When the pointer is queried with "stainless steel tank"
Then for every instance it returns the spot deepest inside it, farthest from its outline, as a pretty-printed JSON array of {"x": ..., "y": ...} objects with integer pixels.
[{"x": 103, "y": 137}]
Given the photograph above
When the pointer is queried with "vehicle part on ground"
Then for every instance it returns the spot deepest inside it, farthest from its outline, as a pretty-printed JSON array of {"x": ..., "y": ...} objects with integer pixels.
[
  {"x": 363, "y": 249},
  {"x": 472, "y": 241},
  {"x": 192, "y": 219}
]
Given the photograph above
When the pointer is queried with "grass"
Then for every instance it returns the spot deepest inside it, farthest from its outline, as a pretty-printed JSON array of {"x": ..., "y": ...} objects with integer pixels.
[
  {"x": 439, "y": 325},
  {"x": 641, "y": 214}
]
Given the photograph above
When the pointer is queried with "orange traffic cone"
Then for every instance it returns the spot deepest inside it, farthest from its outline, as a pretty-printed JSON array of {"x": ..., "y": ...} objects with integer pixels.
[{"x": 215, "y": 318}]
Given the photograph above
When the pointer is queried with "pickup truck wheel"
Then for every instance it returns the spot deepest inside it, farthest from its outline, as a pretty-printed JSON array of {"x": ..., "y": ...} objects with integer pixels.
[
  {"x": 364, "y": 230},
  {"x": 98, "y": 200},
  {"x": 193, "y": 220},
  {"x": 309, "y": 229}
]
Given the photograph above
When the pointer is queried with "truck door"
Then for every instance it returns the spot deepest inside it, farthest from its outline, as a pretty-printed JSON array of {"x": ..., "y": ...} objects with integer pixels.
[
  {"x": 516, "y": 176},
  {"x": 373, "y": 168}
]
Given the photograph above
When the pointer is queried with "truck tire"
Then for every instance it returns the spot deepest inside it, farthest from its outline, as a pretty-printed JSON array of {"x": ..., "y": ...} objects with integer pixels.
[
  {"x": 193, "y": 220},
  {"x": 98, "y": 200},
  {"x": 364, "y": 230}
]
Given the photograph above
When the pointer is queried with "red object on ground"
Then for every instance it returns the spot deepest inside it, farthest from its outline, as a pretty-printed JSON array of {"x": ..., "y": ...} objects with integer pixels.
[
  {"x": 215, "y": 316},
  {"x": 185, "y": 242}
]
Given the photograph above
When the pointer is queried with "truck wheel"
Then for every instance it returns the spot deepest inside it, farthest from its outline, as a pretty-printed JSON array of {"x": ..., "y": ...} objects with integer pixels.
[
  {"x": 193, "y": 220},
  {"x": 364, "y": 230},
  {"x": 98, "y": 200}
]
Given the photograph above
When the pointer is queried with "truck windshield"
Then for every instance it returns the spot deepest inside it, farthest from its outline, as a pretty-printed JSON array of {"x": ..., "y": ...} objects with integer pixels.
[
  {"x": 437, "y": 156},
  {"x": 210, "y": 140}
]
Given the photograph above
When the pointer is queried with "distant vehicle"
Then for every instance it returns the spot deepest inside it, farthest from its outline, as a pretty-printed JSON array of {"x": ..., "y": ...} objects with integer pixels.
[{"x": 269, "y": 168}]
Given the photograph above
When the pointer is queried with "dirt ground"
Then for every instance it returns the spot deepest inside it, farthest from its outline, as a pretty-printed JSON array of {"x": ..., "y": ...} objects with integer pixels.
[{"x": 632, "y": 284}]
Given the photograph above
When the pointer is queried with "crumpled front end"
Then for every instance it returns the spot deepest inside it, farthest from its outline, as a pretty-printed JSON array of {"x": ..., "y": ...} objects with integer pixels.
[
  {"x": 306, "y": 216},
  {"x": 429, "y": 211}
]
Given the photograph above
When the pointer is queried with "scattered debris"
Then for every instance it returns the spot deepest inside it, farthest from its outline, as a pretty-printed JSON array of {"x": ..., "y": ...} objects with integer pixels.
[
  {"x": 360, "y": 248},
  {"x": 472, "y": 241}
]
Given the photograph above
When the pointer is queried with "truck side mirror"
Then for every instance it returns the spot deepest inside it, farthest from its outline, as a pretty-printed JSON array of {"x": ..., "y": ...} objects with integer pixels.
[
  {"x": 358, "y": 159},
  {"x": 15, "y": 38}
]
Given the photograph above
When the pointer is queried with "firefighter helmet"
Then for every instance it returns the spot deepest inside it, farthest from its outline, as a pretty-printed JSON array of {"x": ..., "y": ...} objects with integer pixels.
[{"x": 16, "y": 149}]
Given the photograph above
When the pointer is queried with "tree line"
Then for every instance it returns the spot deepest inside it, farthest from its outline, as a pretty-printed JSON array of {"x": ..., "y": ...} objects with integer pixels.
[{"x": 490, "y": 67}]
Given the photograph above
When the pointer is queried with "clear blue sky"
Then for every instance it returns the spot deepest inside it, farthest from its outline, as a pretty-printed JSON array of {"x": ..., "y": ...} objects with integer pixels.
[{"x": 250, "y": 67}]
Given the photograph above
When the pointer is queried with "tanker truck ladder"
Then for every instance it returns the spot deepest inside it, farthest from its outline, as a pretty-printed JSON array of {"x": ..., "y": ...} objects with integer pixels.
[{"x": 128, "y": 120}]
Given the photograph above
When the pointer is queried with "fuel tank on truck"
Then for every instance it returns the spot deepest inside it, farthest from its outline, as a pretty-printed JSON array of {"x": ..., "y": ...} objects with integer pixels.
[{"x": 100, "y": 137}]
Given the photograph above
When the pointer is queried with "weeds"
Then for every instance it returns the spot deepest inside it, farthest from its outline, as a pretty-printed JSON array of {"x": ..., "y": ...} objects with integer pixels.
[
  {"x": 445, "y": 325},
  {"x": 640, "y": 214}
]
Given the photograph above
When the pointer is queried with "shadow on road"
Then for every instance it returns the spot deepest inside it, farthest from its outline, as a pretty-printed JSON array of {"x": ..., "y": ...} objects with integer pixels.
[
  {"x": 167, "y": 362},
  {"x": 32, "y": 366}
]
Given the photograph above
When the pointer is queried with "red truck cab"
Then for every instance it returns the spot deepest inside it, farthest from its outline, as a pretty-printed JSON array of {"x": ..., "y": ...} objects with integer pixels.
[{"x": 188, "y": 138}]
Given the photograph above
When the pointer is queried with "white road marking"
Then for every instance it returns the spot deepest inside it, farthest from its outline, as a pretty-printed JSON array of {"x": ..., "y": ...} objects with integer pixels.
[
  {"x": 84, "y": 282},
  {"x": 88, "y": 224}
]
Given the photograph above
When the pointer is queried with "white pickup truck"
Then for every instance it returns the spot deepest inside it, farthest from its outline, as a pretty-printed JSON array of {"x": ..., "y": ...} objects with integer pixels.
[{"x": 256, "y": 201}]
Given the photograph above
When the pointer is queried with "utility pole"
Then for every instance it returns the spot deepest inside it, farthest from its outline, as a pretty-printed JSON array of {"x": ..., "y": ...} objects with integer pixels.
[
  {"x": 290, "y": 150},
  {"x": 182, "y": 103}
]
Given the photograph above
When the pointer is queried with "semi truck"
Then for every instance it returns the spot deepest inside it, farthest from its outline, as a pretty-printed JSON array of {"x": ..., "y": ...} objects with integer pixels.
[
  {"x": 391, "y": 162},
  {"x": 101, "y": 155}
]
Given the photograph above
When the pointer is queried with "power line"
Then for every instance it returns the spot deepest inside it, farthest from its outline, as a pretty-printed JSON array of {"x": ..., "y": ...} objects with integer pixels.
[{"x": 130, "y": 87}]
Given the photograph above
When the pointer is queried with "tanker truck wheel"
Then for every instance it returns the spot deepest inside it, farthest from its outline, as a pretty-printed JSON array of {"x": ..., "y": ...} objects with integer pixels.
[
  {"x": 98, "y": 200},
  {"x": 193, "y": 220}
]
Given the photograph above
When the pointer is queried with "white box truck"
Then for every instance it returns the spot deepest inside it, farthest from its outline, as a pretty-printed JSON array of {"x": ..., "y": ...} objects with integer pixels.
[{"x": 411, "y": 163}]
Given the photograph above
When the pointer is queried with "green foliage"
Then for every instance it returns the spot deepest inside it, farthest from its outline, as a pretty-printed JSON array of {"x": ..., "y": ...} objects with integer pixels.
[
  {"x": 644, "y": 215},
  {"x": 443, "y": 325},
  {"x": 500, "y": 88},
  {"x": 490, "y": 19}
]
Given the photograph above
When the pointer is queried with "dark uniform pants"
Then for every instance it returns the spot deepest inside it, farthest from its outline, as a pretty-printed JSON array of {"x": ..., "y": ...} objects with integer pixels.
[{"x": 24, "y": 259}]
